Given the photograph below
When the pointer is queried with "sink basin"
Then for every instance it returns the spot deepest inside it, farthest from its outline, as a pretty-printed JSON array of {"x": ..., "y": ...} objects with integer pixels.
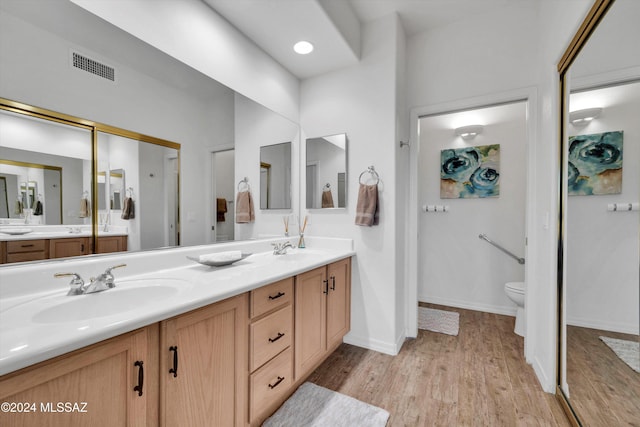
[{"x": 127, "y": 296}]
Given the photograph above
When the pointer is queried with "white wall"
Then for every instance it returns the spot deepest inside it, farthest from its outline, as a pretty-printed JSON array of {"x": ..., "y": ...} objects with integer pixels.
[
  {"x": 225, "y": 188},
  {"x": 360, "y": 101},
  {"x": 456, "y": 268},
  {"x": 602, "y": 247}
]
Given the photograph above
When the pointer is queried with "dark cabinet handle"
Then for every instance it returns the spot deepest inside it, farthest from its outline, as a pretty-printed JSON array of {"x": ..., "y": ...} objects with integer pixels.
[
  {"x": 138, "y": 388},
  {"x": 274, "y": 385},
  {"x": 26, "y": 246},
  {"x": 278, "y": 295},
  {"x": 280, "y": 335},
  {"x": 82, "y": 247},
  {"x": 333, "y": 283},
  {"x": 326, "y": 286},
  {"x": 174, "y": 370}
]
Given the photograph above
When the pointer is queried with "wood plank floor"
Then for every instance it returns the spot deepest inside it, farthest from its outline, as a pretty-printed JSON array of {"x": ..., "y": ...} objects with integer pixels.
[
  {"x": 479, "y": 378},
  {"x": 603, "y": 390}
]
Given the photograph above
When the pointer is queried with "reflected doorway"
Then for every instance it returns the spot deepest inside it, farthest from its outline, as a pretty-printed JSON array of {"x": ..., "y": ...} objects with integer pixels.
[{"x": 223, "y": 192}]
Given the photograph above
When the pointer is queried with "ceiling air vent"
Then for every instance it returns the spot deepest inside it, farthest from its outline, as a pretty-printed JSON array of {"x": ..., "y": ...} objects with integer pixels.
[{"x": 93, "y": 67}]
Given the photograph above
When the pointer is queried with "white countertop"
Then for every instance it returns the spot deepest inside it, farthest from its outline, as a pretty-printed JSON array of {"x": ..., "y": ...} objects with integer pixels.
[
  {"x": 43, "y": 232},
  {"x": 27, "y": 290}
]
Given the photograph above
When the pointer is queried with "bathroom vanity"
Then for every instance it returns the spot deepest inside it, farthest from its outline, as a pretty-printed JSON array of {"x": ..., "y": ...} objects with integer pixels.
[{"x": 215, "y": 346}]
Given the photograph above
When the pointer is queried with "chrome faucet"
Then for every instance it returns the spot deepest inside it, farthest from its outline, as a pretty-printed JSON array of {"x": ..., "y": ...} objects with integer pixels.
[
  {"x": 281, "y": 249},
  {"x": 76, "y": 284},
  {"x": 98, "y": 284}
]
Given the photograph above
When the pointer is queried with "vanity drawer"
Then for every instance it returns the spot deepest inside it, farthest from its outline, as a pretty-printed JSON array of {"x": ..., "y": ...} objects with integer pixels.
[
  {"x": 270, "y": 383},
  {"x": 268, "y": 297},
  {"x": 269, "y": 336},
  {"x": 17, "y": 246}
]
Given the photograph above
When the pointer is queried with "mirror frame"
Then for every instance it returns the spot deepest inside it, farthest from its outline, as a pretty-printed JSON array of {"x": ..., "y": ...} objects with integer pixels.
[
  {"x": 586, "y": 29},
  {"x": 94, "y": 128}
]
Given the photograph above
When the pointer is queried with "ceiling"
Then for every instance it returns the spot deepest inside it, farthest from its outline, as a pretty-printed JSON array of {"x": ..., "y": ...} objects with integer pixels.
[{"x": 334, "y": 26}]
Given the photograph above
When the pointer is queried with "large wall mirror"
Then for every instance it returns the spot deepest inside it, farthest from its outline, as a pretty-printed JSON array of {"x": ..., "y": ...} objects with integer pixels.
[
  {"x": 220, "y": 133},
  {"x": 600, "y": 317},
  {"x": 326, "y": 165},
  {"x": 55, "y": 195}
]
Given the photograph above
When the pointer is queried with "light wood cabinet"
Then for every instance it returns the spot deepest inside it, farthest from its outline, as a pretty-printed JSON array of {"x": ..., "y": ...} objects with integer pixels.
[
  {"x": 67, "y": 247},
  {"x": 26, "y": 250},
  {"x": 94, "y": 386},
  {"x": 322, "y": 314},
  {"x": 110, "y": 244},
  {"x": 270, "y": 348},
  {"x": 203, "y": 366}
]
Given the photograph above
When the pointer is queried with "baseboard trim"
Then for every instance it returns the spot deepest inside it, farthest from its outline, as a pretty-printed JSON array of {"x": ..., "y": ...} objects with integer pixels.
[
  {"x": 376, "y": 345},
  {"x": 487, "y": 308},
  {"x": 603, "y": 325},
  {"x": 547, "y": 385}
]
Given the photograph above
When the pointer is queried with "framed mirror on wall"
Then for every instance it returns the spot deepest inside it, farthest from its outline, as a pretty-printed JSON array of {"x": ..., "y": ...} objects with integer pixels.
[
  {"x": 326, "y": 165},
  {"x": 599, "y": 283},
  {"x": 99, "y": 211}
]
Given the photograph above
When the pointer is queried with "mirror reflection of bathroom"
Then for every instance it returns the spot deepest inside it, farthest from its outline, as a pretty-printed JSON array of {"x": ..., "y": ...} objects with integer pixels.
[
  {"x": 223, "y": 188},
  {"x": 275, "y": 176},
  {"x": 326, "y": 163},
  {"x": 471, "y": 182}
]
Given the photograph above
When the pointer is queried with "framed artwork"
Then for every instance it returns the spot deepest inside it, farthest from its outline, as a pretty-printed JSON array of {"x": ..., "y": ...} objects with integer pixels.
[
  {"x": 471, "y": 172},
  {"x": 595, "y": 164}
]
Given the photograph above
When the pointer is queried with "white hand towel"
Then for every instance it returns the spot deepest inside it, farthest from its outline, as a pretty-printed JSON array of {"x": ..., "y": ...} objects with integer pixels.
[{"x": 221, "y": 256}]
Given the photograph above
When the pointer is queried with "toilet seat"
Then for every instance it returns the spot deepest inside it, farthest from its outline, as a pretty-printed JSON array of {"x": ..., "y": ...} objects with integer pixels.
[{"x": 517, "y": 287}]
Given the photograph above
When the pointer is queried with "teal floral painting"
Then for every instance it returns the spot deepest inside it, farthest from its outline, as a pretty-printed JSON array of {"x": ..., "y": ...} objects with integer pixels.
[
  {"x": 471, "y": 172},
  {"x": 595, "y": 164}
]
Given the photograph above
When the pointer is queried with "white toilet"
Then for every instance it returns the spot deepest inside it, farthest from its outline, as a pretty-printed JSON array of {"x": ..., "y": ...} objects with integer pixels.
[{"x": 515, "y": 292}]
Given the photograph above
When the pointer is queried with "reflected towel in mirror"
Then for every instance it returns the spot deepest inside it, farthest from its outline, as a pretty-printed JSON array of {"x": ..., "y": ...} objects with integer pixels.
[
  {"x": 244, "y": 208},
  {"x": 85, "y": 208},
  {"x": 128, "y": 210},
  {"x": 367, "y": 207},
  {"x": 221, "y": 209},
  {"x": 37, "y": 210},
  {"x": 327, "y": 198}
]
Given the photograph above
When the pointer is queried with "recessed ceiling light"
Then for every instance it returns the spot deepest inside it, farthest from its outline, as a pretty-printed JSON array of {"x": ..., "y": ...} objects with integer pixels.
[{"x": 303, "y": 47}]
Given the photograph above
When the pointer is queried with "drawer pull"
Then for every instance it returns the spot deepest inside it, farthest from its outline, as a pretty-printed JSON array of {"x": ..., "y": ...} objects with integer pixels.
[
  {"x": 326, "y": 286},
  {"x": 333, "y": 283},
  {"x": 280, "y": 335},
  {"x": 274, "y": 385},
  {"x": 174, "y": 370},
  {"x": 27, "y": 246},
  {"x": 278, "y": 295},
  {"x": 138, "y": 388}
]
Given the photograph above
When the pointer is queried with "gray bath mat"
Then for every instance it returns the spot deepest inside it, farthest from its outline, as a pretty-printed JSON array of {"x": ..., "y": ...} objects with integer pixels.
[
  {"x": 627, "y": 351},
  {"x": 445, "y": 322},
  {"x": 315, "y": 406}
]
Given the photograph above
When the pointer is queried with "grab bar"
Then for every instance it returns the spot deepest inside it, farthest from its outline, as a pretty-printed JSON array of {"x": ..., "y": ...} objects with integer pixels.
[{"x": 511, "y": 254}]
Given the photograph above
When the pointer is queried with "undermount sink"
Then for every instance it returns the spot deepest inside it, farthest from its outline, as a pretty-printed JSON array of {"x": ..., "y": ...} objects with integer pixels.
[{"x": 128, "y": 295}]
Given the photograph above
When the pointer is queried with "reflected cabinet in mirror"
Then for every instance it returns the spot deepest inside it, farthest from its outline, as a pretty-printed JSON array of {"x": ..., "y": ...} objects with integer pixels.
[
  {"x": 59, "y": 199},
  {"x": 326, "y": 166},
  {"x": 600, "y": 320},
  {"x": 275, "y": 176}
]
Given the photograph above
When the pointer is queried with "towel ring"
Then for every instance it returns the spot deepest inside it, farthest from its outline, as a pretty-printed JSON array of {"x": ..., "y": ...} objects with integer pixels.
[
  {"x": 327, "y": 186},
  {"x": 244, "y": 181},
  {"x": 371, "y": 171}
]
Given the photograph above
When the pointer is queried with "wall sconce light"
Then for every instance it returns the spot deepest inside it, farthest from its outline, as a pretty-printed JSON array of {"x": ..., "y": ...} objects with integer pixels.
[
  {"x": 469, "y": 132},
  {"x": 582, "y": 117}
]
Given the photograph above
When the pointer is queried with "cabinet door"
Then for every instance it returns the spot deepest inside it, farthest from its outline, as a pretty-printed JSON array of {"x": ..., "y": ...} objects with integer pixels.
[
  {"x": 203, "y": 369},
  {"x": 310, "y": 320},
  {"x": 338, "y": 302},
  {"x": 112, "y": 244},
  {"x": 62, "y": 248},
  {"x": 89, "y": 387}
]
